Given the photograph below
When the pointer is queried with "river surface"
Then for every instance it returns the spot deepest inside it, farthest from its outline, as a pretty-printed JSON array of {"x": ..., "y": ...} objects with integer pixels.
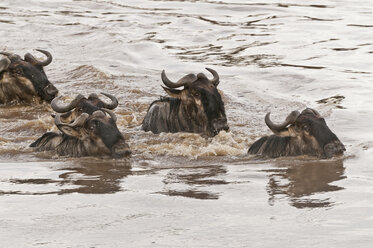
[{"x": 182, "y": 190}]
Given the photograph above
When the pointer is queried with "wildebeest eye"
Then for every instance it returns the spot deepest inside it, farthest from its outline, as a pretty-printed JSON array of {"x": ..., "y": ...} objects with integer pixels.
[
  {"x": 195, "y": 93},
  {"x": 93, "y": 125},
  {"x": 306, "y": 128}
]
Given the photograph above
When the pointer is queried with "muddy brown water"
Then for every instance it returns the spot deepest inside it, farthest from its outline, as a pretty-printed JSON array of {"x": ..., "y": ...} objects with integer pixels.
[{"x": 182, "y": 190}]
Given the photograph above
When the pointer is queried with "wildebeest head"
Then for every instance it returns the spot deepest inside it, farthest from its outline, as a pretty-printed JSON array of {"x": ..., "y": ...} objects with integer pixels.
[
  {"x": 97, "y": 131},
  {"x": 28, "y": 75},
  {"x": 303, "y": 133},
  {"x": 201, "y": 98},
  {"x": 81, "y": 105}
]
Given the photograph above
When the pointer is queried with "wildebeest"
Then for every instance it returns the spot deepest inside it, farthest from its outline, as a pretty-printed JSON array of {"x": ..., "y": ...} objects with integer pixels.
[
  {"x": 197, "y": 108},
  {"x": 303, "y": 133},
  {"x": 93, "y": 134},
  {"x": 81, "y": 104},
  {"x": 25, "y": 79}
]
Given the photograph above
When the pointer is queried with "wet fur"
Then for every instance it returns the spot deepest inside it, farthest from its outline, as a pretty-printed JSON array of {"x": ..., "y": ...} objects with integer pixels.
[
  {"x": 23, "y": 82},
  {"x": 172, "y": 115},
  {"x": 97, "y": 136},
  {"x": 65, "y": 145},
  {"x": 277, "y": 146},
  {"x": 16, "y": 89},
  {"x": 198, "y": 108},
  {"x": 309, "y": 135}
]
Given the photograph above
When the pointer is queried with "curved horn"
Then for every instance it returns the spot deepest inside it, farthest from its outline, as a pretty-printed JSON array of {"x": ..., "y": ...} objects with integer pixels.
[
  {"x": 79, "y": 121},
  {"x": 114, "y": 101},
  {"x": 183, "y": 81},
  {"x": 215, "y": 80},
  {"x": 62, "y": 109},
  {"x": 6, "y": 54},
  {"x": 11, "y": 56},
  {"x": 290, "y": 119},
  {"x": 4, "y": 64},
  {"x": 32, "y": 60},
  {"x": 111, "y": 113},
  {"x": 49, "y": 57},
  {"x": 92, "y": 95}
]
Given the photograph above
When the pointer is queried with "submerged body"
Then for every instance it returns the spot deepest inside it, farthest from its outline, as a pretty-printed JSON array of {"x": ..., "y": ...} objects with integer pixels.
[
  {"x": 303, "y": 133},
  {"x": 24, "y": 80},
  {"x": 89, "y": 130},
  {"x": 65, "y": 145},
  {"x": 198, "y": 108},
  {"x": 169, "y": 115}
]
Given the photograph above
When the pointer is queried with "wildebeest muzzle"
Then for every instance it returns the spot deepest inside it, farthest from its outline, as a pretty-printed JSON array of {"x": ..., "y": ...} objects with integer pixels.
[
  {"x": 219, "y": 124},
  {"x": 50, "y": 92},
  {"x": 334, "y": 148}
]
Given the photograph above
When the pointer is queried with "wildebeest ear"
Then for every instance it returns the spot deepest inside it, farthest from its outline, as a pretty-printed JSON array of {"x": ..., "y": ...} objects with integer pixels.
[
  {"x": 71, "y": 131},
  {"x": 173, "y": 92},
  {"x": 4, "y": 64}
]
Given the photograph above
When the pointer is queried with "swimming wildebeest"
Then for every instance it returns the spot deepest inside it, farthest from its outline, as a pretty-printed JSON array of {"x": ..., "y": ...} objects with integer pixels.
[
  {"x": 25, "y": 79},
  {"x": 81, "y": 104},
  {"x": 93, "y": 134},
  {"x": 303, "y": 133},
  {"x": 198, "y": 108}
]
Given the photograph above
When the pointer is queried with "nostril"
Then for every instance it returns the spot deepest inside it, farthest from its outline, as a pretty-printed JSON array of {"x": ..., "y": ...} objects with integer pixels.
[
  {"x": 334, "y": 148},
  {"x": 54, "y": 91},
  {"x": 51, "y": 90},
  {"x": 343, "y": 147},
  {"x": 220, "y": 124},
  {"x": 121, "y": 152}
]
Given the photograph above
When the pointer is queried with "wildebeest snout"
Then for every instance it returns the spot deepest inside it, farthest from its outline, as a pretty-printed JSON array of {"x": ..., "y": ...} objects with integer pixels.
[
  {"x": 334, "y": 148},
  {"x": 50, "y": 92},
  {"x": 121, "y": 149},
  {"x": 220, "y": 124}
]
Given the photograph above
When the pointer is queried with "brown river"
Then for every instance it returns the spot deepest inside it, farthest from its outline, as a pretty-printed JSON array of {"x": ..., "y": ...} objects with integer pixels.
[{"x": 183, "y": 190}]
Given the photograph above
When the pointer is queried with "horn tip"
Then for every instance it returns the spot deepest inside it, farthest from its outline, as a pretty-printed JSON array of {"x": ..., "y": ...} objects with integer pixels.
[
  {"x": 7, "y": 60},
  {"x": 57, "y": 98},
  {"x": 93, "y": 95}
]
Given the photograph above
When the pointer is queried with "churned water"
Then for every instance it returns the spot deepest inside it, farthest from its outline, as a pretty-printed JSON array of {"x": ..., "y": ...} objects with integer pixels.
[{"x": 182, "y": 190}]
